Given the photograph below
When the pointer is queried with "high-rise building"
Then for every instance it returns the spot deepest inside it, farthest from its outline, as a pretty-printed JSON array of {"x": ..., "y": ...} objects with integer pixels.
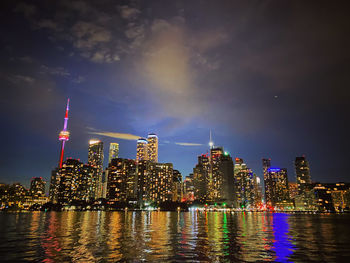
[
  {"x": 121, "y": 181},
  {"x": 113, "y": 151},
  {"x": 177, "y": 186},
  {"x": 76, "y": 182},
  {"x": 69, "y": 173},
  {"x": 152, "y": 147},
  {"x": 202, "y": 178},
  {"x": 37, "y": 187},
  {"x": 244, "y": 184},
  {"x": 141, "y": 150},
  {"x": 54, "y": 185},
  {"x": 302, "y": 172},
  {"x": 95, "y": 159},
  {"x": 222, "y": 185},
  {"x": 276, "y": 188},
  {"x": 155, "y": 182},
  {"x": 188, "y": 188}
]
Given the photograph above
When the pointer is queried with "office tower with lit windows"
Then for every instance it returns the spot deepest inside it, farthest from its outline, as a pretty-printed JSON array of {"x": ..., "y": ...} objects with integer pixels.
[
  {"x": 113, "y": 151},
  {"x": 141, "y": 150},
  {"x": 155, "y": 182},
  {"x": 258, "y": 193},
  {"x": 245, "y": 190},
  {"x": 267, "y": 181},
  {"x": 54, "y": 185},
  {"x": 37, "y": 187},
  {"x": 202, "y": 178},
  {"x": 177, "y": 186},
  {"x": 222, "y": 176},
  {"x": 302, "y": 172},
  {"x": 276, "y": 184},
  {"x": 121, "y": 181},
  {"x": 152, "y": 147},
  {"x": 188, "y": 188},
  {"x": 160, "y": 183},
  {"x": 69, "y": 174},
  {"x": 95, "y": 159}
]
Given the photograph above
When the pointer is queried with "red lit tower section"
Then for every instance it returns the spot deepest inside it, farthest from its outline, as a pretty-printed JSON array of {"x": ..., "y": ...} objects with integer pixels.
[{"x": 64, "y": 135}]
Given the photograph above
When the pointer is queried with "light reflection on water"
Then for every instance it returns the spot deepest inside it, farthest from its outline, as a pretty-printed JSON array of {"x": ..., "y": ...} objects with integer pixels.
[{"x": 173, "y": 236}]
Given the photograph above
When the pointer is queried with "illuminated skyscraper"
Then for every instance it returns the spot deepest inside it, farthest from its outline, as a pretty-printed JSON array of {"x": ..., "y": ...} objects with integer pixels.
[
  {"x": 222, "y": 185},
  {"x": 95, "y": 159},
  {"x": 155, "y": 182},
  {"x": 177, "y": 186},
  {"x": 244, "y": 184},
  {"x": 202, "y": 178},
  {"x": 37, "y": 187},
  {"x": 152, "y": 147},
  {"x": 121, "y": 181},
  {"x": 69, "y": 174},
  {"x": 277, "y": 185},
  {"x": 113, "y": 151},
  {"x": 302, "y": 172},
  {"x": 141, "y": 150}
]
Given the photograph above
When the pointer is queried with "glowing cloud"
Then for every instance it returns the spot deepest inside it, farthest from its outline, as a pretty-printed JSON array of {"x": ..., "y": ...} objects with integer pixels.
[
  {"x": 188, "y": 144},
  {"x": 117, "y": 135}
]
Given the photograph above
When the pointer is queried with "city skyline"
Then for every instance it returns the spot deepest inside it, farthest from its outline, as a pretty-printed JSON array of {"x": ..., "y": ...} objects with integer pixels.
[{"x": 264, "y": 85}]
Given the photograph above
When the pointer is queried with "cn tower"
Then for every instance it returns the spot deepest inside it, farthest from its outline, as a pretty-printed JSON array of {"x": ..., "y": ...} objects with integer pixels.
[{"x": 64, "y": 135}]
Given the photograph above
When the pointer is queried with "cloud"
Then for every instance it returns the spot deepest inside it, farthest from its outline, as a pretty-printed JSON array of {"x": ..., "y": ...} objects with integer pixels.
[
  {"x": 16, "y": 79},
  {"x": 56, "y": 71},
  {"x": 128, "y": 12},
  {"x": 27, "y": 9},
  {"x": 117, "y": 135},
  {"x": 188, "y": 144}
]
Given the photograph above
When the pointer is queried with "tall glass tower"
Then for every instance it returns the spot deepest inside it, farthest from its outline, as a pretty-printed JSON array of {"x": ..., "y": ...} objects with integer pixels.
[
  {"x": 95, "y": 159},
  {"x": 152, "y": 147}
]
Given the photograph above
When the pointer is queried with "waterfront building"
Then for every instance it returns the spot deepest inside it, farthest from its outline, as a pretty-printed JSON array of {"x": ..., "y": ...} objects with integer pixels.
[
  {"x": 302, "y": 172},
  {"x": 293, "y": 190},
  {"x": 152, "y": 147},
  {"x": 68, "y": 187},
  {"x": 37, "y": 187},
  {"x": 188, "y": 188},
  {"x": 155, "y": 182},
  {"x": 245, "y": 187},
  {"x": 222, "y": 176},
  {"x": 54, "y": 185},
  {"x": 121, "y": 181},
  {"x": 177, "y": 186},
  {"x": 141, "y": 150},
  {"x": 276, "y": 186},
  {"x": 113, "y": 151},
  {"x": 258, "y": 196},
  {"x": 95, "y": 159},
  {"x": 202, "y": 179}
]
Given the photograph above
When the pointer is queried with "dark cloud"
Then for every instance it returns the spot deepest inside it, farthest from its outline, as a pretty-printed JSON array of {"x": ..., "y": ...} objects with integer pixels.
[{"x": 271, "y": 77}]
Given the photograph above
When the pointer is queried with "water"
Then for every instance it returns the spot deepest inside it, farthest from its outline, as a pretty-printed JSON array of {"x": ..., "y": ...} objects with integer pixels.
[{"x": 173, "y": 237}]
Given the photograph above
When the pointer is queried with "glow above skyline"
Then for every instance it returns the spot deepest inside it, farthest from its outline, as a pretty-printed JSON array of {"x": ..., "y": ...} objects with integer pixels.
[{"x": 251, "y": 73}]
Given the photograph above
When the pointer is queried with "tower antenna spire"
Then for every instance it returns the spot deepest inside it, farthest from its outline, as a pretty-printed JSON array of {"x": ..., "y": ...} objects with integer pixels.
[
  {"x": 211, "y": 143},
  {"x": 64, "y": 135}
]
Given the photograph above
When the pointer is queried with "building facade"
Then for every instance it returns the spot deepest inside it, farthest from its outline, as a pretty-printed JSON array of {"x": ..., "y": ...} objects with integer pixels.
[
  {"x": 113, "y": 151},
  {"x": 152, "y": 147},
  {"x": 95, "y": 159},
  {"x": 141, "y": 150}
]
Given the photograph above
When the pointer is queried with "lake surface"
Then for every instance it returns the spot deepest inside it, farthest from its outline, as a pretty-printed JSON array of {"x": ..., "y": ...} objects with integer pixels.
[{"x": 174, "y": 237}]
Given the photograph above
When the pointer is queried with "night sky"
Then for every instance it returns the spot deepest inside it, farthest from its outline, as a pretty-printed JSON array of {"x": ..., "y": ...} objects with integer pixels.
[{"x": 269, "y": 78}]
